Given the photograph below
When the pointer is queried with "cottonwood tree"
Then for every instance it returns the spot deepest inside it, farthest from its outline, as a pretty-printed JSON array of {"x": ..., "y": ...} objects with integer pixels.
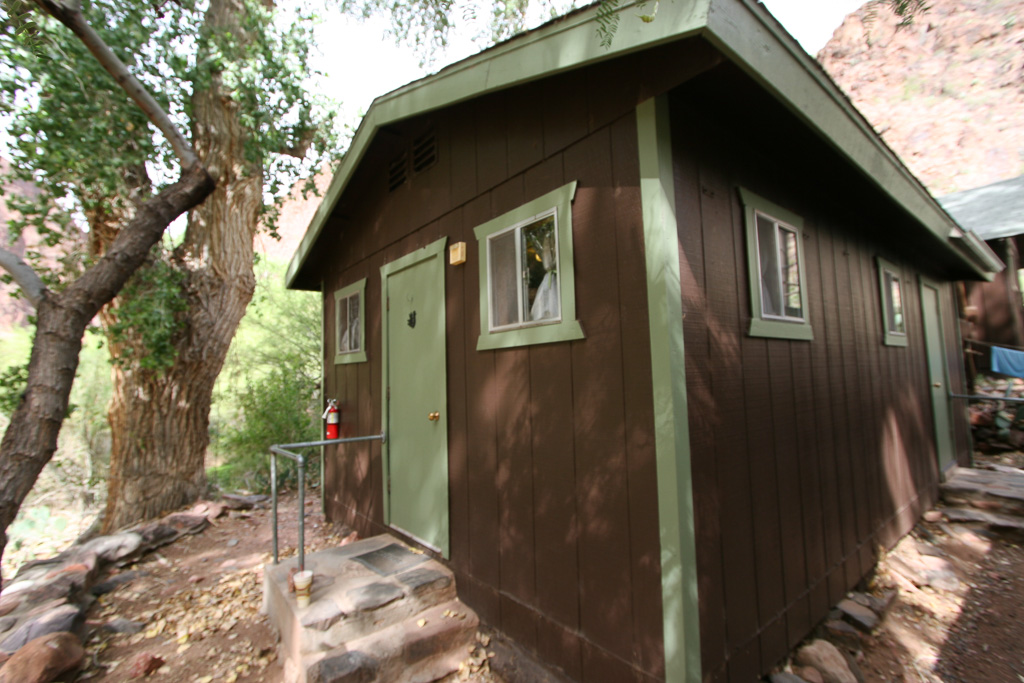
[
  {"x": 65, "y": 306},
  {"x": 233, "y": 73},
  {"x": 235, "y": 79}
]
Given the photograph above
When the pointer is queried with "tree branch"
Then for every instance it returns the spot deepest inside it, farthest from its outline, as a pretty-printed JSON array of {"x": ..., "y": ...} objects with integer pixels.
[
  {"x": 31, "y": 285},
  {"x": 69, "y": 13}
]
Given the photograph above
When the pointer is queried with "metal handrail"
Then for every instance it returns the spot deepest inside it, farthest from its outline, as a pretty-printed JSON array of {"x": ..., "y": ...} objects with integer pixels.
[
  {"x": 281, "y": 449},
  {"x": 983, "y": 397}
]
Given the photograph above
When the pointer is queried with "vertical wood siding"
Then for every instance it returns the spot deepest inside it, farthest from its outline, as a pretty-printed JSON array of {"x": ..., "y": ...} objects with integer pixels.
[
  {"x": 807, "y": 456},
  {"x": 553, "y": 497}
]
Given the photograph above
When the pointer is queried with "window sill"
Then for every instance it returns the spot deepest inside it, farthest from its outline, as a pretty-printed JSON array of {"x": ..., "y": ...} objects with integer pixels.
[
  {"x": 895, "y": 339},
  {"x": 567, "y": 330},
  {"x": 780, "y": 330},
  {"x": 347, "y": 358}
]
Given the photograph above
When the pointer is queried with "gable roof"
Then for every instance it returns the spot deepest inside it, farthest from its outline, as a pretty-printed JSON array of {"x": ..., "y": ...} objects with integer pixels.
[
  {"x": 743, "y": 30},
  {"x": 991, "y": 211}
]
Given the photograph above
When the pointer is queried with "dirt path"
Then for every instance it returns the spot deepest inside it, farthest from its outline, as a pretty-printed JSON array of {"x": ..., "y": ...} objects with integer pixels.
[
  {"x": 198, "y": 600},
  {"x": 197, "y": 604},
  {"x": 969, "y": 628}
]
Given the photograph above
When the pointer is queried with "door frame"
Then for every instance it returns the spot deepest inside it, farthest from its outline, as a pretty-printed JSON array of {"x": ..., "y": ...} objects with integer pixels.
[
  {"x": 947, "y": 441},
  {"x": 433, "y": 250}
]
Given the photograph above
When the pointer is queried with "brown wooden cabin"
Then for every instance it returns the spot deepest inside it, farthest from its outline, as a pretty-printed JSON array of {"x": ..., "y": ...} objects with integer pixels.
[
  {"x": 661, "y": 471},
  {"x": 992, "y": 311}
]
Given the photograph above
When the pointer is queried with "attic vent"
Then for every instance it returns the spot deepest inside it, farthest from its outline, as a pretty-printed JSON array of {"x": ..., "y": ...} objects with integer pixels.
[
  {"x": 398, "y": 172},
  {"x": 424, "y": 152}
]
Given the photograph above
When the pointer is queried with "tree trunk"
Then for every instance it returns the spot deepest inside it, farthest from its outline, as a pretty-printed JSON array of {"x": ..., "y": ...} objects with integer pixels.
[
  {"x": 160, "y": 421},
  {"x": 31, "y": 437}
]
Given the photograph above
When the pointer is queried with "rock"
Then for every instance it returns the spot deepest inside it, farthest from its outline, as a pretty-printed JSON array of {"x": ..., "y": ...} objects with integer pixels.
[
  {"x": 122, "y": 625},
  {"x": 113, "y": 582},
  {"x": 322, "y": 615},
  {"x": 16, "y": 587},
  {"x": 7, "y": 623},
  {"x": 9, "y": 603},
  {"x": 43, "y": 659},
  {"x": 852, "y": 663},
  {"x": 116, "y": 548},
  {"x": 348, "y": 667},
  {"x": 37, "y": 569},
  {"x": 235, "y": 502},
  {"x": 63, "y": 618},
  {"x": 232, "y": 543},
  {"x": 878, "y": 604},
  {"x": 374, "y": 596},
  {"x": 66, "y": 586},
  {"x": 783, "y": 677},
  {"x": 858, "y": 615},
  {"x": 423, "y": 579},
  {"x": 809, "y": 674},
  {"x": 827, "y": 660},
  {"x": 79, "y": 562},
  {"x": 143, "y": 664},
  {"x": 844, "y": 634},
  {"x": 154, "y": 535},
  {"x": 209, "y": 509},
  {"x": 933, "y": 516},
  {"x": 185, "y": 523}
]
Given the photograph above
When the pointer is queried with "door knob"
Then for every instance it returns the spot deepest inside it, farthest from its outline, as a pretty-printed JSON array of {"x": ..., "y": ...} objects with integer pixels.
[
  {"x": 937, "y": 385},
  {"x": 433, "y": 417}
]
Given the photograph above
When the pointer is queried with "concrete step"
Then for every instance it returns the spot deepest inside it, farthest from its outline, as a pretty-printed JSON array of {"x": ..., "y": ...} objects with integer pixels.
[
  {"x": 999, "y": 491},
  {"x": 420, "y": 649},
  {"x": 366, "y": 592}
]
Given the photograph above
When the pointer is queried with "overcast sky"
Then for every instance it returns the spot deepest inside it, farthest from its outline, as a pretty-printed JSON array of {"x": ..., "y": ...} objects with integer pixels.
[{"x": 362, "y": 64}]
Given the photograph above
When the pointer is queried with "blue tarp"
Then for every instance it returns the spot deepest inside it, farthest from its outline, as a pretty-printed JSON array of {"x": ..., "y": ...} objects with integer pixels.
[{"x": 1008, "y": 361}]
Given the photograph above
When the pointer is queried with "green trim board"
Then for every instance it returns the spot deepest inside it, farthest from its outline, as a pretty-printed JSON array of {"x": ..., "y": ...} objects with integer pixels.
[
  {"x": 563, "y": 44},
  {"x": 359, "y": 355},
  {"x": 680, "y": 608},
  {"x": 891, "y": 337},
  {"x": 741, "y": 29},
  {"x": 934, "y": 326},
  {"x": 567, "y": 328},
  {"x": 421, "y": 390},
  {"x": 747, "y": 33},
  {"x": 762, "y": 325}
]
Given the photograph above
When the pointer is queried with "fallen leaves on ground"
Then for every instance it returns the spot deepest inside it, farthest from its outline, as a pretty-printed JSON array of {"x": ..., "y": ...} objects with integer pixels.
[{"x": 187, "y": 617}]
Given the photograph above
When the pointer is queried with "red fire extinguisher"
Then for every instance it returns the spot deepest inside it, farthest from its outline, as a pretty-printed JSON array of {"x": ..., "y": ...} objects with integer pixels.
[{"x": 332, "y": 416}]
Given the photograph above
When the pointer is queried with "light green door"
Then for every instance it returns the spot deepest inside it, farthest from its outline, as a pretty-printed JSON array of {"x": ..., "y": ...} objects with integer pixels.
[
  {"x": 416, "y": 451},
  {"x": 936, "y": 351}
]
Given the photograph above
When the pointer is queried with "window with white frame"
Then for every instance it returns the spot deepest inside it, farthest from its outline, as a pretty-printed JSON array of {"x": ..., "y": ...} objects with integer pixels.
[
  {"x": 522, "y": 274},
  {"x": 894, "y": 323},
  {"x": 778, "y": 284},
  {"x": 349, "y": 315},
  {"x": 527, "y": 293}
]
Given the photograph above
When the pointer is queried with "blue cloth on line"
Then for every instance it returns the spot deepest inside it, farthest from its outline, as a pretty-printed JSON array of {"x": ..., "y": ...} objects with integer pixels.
[{"x": 1008, "y": 361}]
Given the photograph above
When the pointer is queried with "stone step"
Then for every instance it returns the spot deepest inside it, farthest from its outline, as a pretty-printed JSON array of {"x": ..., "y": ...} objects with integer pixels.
[
  {"x": 998, "y": 491},
  {"x": 420, "y": 649},
  {"x": 995, "y": 521},
  {"x": 360, "y": 591}
]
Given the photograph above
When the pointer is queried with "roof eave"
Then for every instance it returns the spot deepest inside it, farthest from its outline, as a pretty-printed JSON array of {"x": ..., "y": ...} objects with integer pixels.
[
  {"x": 744, "y": 31},
  {"x": 571, "y": 42},
  {"x": 987, "y": 262},
  {"x": 756, "y": 42}
]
